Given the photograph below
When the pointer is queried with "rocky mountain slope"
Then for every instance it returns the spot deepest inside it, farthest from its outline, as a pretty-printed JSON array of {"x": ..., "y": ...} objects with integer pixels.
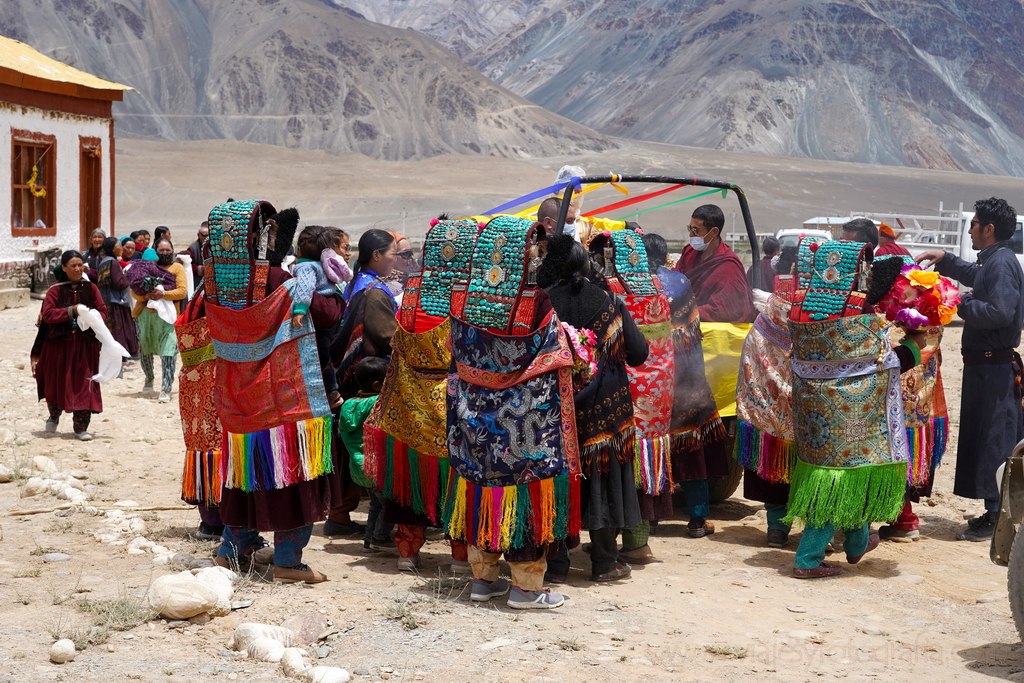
[
  {"x": 928, "y": 83},
  {"x": 301, "y": 73}
]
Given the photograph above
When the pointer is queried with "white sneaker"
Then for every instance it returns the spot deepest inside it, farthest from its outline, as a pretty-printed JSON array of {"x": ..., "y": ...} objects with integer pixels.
[
  {"x": 51, "y": 426},
  {"x": 147, "y": 388},
  {"x": 83, "y": 436},
  {"x": 520, "y": 599},
  {"x": 164, "y": 397}
]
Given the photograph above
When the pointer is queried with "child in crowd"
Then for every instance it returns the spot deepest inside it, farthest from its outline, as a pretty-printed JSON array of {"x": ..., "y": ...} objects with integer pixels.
[
  {"x": 335, "y": 261},
  {"x": 314, "y": 271},
  {"x": 369, "y": 375}
]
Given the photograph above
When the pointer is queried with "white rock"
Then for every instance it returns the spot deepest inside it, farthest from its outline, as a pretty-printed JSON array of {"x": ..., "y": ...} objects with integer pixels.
[
  {"x": 327, "y": 674},
  {"x": 160, "y": 560},
  {"x": 248, "y": 632},
  {"x": 136, "y": 551},
  {"x": 136, "y": 525},
  {"x": 43, "y": 464},
  {"x": 180, "y": 596},
  {"x": 292, "y": 663},
  {"x": 159, "y": 550},
  {"x": 220, "y": 580},
  {"x": 6, "y": 474},
  {"x": 266, "y": 650},
  {"x": 6, "y": 437},
  {"x": 33, "y": 487},
  {"x": 75, "y": 483},
  {"x": 78, "y": 474},
  {"x": 140, "y": 543},
  {"x": 62, "y": 651}
]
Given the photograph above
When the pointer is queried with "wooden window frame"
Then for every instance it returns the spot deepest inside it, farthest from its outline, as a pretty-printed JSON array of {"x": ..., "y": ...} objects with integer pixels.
[
  {"x": 94, "y": 147},
  {"x": 30, "y": 138}
]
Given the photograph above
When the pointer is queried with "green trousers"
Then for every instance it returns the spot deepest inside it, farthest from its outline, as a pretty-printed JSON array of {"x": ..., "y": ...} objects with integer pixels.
[{"x": 811, "y": 551}]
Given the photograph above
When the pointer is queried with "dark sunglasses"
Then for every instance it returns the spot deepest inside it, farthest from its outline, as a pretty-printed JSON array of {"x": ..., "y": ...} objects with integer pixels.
[{"x": 407, "y": 254}]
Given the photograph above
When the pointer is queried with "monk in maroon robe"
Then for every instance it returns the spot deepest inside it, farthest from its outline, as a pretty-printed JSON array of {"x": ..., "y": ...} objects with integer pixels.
[{"x": 715, "y": 272}]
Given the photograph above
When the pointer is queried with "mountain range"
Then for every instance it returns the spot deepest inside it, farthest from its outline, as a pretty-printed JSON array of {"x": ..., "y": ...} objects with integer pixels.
[
  {"x": 925, "y": 83},
  {"x": 300, "y": 73}
]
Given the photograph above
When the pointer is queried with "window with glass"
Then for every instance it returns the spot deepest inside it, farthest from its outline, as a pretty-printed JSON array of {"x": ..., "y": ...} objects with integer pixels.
[{"x": 33, "y": 184}]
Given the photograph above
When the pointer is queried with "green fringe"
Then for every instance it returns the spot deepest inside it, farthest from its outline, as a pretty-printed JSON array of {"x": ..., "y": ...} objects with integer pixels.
[
  {"x": 847, "y": 497},
  {"x": 561, "y": 507},
  {"x": 524, "y": 512}
]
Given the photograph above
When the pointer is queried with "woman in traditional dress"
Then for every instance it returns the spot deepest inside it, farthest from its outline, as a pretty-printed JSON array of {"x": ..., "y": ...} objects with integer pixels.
[
  {"x": 156, "y": 335},
  {"x": 113, "y": 286},
  {"x": 405, "y": 449},
  {"x": 851, "y": 466},
  {"x": 604, "y": 407},
  {"x": 405, "y": 264},
  {"x": 279, "y": 467},
  {"x": 94, "y": 253},
  {"x": 366, "y": 330},
  {"x": 765, "y": 433},
  {"x": 65, "y": 358},
  {"x": 514, "y": 484},
  {"x": 681, "y": 438}
]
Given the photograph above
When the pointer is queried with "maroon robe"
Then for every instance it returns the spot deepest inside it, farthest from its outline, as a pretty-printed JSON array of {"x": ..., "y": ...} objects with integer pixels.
[
  {"x": 719, "y": 285},
  {"x": 65, "y": 358}
]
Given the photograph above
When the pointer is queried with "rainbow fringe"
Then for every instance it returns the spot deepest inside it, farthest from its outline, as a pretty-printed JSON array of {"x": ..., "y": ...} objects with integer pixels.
[
  {"x": 500, "y": 518},
  {"x": 688, "y": 439},
  {"x": 278, "y": 457},
  {"x": 769, "y": 456},
  {"x": 201, "y": 479},
  {"x": 652, "y": 466},
  {"x": 405, "y": 475},
  {"x": 927, "y": 445}
]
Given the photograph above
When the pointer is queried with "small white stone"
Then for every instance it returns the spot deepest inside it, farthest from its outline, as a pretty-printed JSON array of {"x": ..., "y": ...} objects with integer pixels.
[
  {"x": 248, "y": 632},
  {"x": 180, "y": 596},
  {"x": 292, "y": 663},
  {"x": 495, "y": 644},
  {"x": 43, "y": 464},
  {"x": 33, "y": 487},
  {"x": 62, "y": 651},
  {"x": 6, "y": 474},
  {"x": 266, "y": 650},
  {"x": 328, "y": 674}
]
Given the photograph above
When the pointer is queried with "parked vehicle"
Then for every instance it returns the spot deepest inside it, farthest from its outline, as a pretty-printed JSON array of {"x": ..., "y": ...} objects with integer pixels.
[{"x": 790, "y": 237}]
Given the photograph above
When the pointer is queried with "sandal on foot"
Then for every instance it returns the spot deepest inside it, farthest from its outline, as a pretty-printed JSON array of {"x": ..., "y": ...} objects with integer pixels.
[{"x": 821, "y": 571}]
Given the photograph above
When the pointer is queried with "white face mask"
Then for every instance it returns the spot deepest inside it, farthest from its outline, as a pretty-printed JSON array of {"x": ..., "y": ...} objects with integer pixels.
[
  {"x": 569, "y": 229},
  {"x": 698, "y": 243},
  {"x": 775, "y": 261}
]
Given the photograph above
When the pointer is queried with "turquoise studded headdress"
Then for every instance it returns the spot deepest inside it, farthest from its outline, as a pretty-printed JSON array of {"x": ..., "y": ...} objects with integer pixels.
[
  {"x": 499, "y": 271},
  {"x": 237, "y": 268},
  {"x": 627, "y": 253},
  {"x": 447, "y": 255},
  {"x": 835, "y": 273}
]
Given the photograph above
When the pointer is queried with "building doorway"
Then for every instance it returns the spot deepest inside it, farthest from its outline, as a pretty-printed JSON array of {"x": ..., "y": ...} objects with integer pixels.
[{"x": 90, "y": 184}]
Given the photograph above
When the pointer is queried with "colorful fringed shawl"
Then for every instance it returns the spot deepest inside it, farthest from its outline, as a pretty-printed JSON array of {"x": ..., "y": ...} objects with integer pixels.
[
  {"x": 765, "y": 438},
  {"x": 924, "y": 405},
  {"x": 201, "y": 480},
  {"x": 652, "y": 383},
  {"x": 512, "y": 443},
  {"x": 695, "y": 419},
  {"x": 405, "y": 447},
  {"x": 850, "y": 430},
  {"x": 269, "y": 392},
  {"x": 270, "y": 395}
]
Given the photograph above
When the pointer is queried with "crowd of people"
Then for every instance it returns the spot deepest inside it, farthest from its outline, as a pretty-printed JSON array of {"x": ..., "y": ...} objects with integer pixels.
[{"x": 513, "y": 386}]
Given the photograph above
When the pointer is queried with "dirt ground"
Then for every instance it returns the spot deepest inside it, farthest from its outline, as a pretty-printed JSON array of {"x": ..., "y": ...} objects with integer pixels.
[{"x": 723, "y": 608}]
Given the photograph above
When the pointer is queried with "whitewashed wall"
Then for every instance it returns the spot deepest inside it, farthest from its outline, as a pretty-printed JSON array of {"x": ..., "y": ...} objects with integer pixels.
[{"x": 66, "y": 128}]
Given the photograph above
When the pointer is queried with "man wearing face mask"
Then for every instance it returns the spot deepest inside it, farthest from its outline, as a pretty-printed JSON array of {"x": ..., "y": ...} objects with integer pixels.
[
  {"x": 715, "y": 272},
  {"x": 580, "y": 228}
]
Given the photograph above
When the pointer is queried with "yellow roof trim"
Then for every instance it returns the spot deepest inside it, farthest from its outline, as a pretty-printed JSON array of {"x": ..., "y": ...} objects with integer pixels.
[{"x": 23, "y": 66}]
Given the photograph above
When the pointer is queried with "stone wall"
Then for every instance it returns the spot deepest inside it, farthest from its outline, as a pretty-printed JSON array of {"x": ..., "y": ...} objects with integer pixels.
[{"x": 18, "y": 271}]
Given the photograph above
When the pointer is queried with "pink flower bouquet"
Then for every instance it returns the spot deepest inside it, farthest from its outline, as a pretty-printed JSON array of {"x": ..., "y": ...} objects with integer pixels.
[
  {"x": 584, "y": 345},
  {"x": 920, "y": 298}
]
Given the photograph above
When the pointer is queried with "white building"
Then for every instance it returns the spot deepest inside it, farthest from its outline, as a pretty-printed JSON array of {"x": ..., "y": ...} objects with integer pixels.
[{"x": 56, "y": 155}]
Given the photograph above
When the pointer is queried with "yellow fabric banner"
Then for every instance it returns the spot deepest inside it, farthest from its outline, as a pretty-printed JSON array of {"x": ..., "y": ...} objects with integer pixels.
[{"x": 723, "y": 344}]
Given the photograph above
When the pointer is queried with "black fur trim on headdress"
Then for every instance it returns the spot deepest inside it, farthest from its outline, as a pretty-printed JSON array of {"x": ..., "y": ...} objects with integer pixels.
[
  {"x": 884, "y": 272},
  {"x": 287, "y": 223},
  {"x": 553, "y": 268}
]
